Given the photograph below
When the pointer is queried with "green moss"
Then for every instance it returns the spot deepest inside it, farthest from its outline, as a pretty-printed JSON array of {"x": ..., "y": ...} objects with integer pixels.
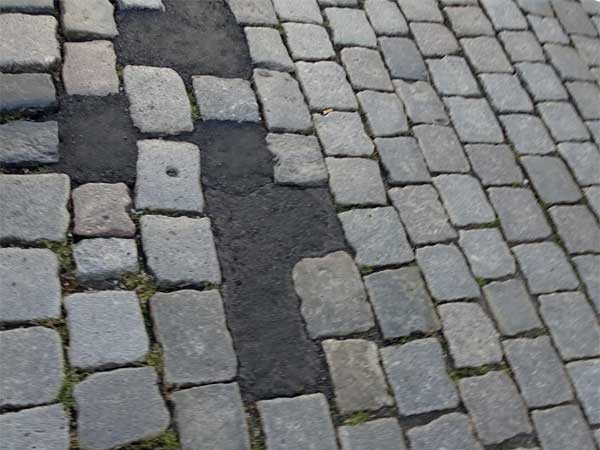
[
  {"x": 64, "y": 253},
  {"x": 165, "y": 441},
  {"x": 155, "y": 358},
  {"x": 466, "y": 372},
  {"x": 257, "y": 443},
  {"x": 8, "y": 117},
  {"x": 357, "y": 418},
  {"x": 58, "y": 325},
  {"x": 366, "y": 270},
  {"x": 481, "y": 281},
  {"x": 143, "y": 284},
  {"x": 65, "y": 396},
  {"x": 39, "y": 170}
]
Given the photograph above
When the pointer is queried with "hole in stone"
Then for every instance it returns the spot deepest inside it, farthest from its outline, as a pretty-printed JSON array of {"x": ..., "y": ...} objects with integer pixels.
[{"x": 172, "y": 172}]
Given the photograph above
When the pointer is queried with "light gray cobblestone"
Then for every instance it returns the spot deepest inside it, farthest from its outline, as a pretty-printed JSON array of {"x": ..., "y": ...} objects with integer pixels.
[
  {"x": 563, "y": 428},
  {"x": 385, "y": 113},
  {"x": 403, "y": 58},
  {"x": 586, "y": 97},
  {"x": 365, "y": 69},
  {"x": 421, "y": 10},
  {"x": 588, "y": 267},
  {"x": 325, "y": 86},
  {"x": 29, "y": 6},
  {"x": 577, "y": 228},
  {"x": 25, "y": 143},
  {"x": 522, "y": 46},
  {"x": 421, "y": 102},
  {"x": 306, "y": 11},
  {"x": 267, "y": 49},
  {"x": 434, "y": 39},
  {"x": 527, "y": 134},
  {"x": 452, "y": 76},
  {"x": 568, "y": 63},
  {"x": 588, "y": 48},
  {"x": 156, "y": 5},
  {"x": 225, "y": 99},
  {"x": 104, "y": 259},
  {"x": 541, "y": 81},
  {"x": 45, "y": 427},
  {"x": 451, "y": 432},
  {"x": 469, "y": 21},
  {"x": 538, "y": 7},
  {"x": 441, "y": 148},
  {"x": 506, "y": 93},
  {"x": 486, "y": 54},
  {"x": 90, "y": 68},
  {"x": 385, "y": 17},
  {"x": 511, "y": 307},
  {"x": 495, "y": 165},
  {"x": 88, "y": 20},
  {"x": 26, "y": 91},
  {"x": 563, "y": 121},
  {"x": 253, "y": 12},
  {"x": 487, "y": 253},
  {"x": 355, "y": 181},
  {"x": 342, "y": 134},
  {"x": 474, "y": 120},
  {"x": 573, "y": 18},
  {"x": 548, "y": 30},
  {"x": 504, "y": 14},
  {"x": 384, "y": 434},
  {"x": 402, "y": 160},
  {"x": 551, "y": 179},
  {"x": 350, "y": 27},
  {"x": 298, "y": 159},
  {"x": 585, "y": 376},
  {"x": 307, "y": 41}
]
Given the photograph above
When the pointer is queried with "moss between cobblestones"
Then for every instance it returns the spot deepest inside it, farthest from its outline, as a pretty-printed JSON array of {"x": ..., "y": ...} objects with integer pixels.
[
  {"x": 194, "y": 105},
  {"x": 64, "y": 253},
  {"x": 481, "y": 281},
  {"x": 164, "y": 441},
  {"x": 466, "y": 372},
  {"x": 58, "y": 325},
  {"x": 155, "y": 358},
  {"x": 143, "y": 284},
  {"x": 357, "y": 418},
  {"x": 65, "y": 396}
]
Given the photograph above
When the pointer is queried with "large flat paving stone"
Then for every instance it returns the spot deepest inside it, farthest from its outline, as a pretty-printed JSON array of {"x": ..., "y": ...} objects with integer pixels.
[
  {"x": 334, "y": 301},
  {"x": 191, "y": 328},
  {"x": 158, "y": 101},
  {"x": 45, "y": 427},
  {"x": 31, "y": 367},
  {"x": 225, "y": 99},
  {"x": 90, "y": 68},
  {"x": 342, "y": 134},
  {"x": 92, "y": 19},
  {"x": 180, "y": 250},
  {"x": 119, "y": 407},
  {"x": 451, "y": 432},
  {"x": 34, "y": 207},
  {"x": 585, "y": 376},
  {"x": 298, "y": 159},
  {"x": 211, "y": 417},
  {"x": 105, "y": 259},
  {"x": 382, "y": 434},
  {"x": 26, "y": 91},
  {"x": 24, "y": 143},
  {"x": 563, "y": 428},
  {"x": 355, "y": 181},
  {"x": 29, "y": 285}
]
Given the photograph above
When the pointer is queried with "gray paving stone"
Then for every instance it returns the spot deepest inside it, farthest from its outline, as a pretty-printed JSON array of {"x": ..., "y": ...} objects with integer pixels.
[
  {"x": 486, "y": 54},
  {"x": 31, "y": 367},
  {"x": 293, "y": 11},
  {"x": 26, "y": 91},
  {"x": 585, "y": 376},
  {"x": 588, "y": 48},
  {"x": 342, "y": 134},
  {"x": 458, "y": 2},
  {"x": 511, "y": 307},
  {"x": 452, "y": 76},
  {"x": 403, "y": 58},
  {"x": 592, "y": 194},
  {"x": 282, "y": 101},
  {"x": 307, "y": 41},
  {"x": 338, "y": 2},
  {"x": 418, "y": 376},
  {"x": 472, "y": 339},
  {"x": 45, "y": 427},
  {"x": 191, "y": 329},
  {"x": 548, "y": 30},
  {"x": 588, "y": 267},
  {"x": 119, "y": 407},
  {"x": 168, "y": 176},
  {"x": 538, "y": 7},
  {"x": 357, "y": 376},
  {"x": 441, "y": 148},
  {"x": 464, "y": 200},
  {"x": 597, "y": 432},
  {"x": 446, "y": 273},
  {"x": 451, "y": 432},
  {"x": 106, "y": 329},
  {"x": 34, "y": 207},
  {"x": 594, "y": 127},
  {"x": 434, "y": 39},
  {"x": 469, "y": 21},
  {"x": 487, "y": 253},
  {"x": 180, "y": 250},
  {"x": 527, "y": 134},
  {"x": 366, "y": 69},
  {"x": 572, "y": 324},
  {"x": 199, "y": 425},
  {"x": 88, "y": 20},
  {"x": 24, "y": 143},
  {"x": 28, "y": 42},
  {"x": 505, "y": 14},
  {"x": 402, "y": 160},
  {"x": 384, "y": 112},
  {"x": 325, "y": 86},
  {"x": 421, "y": 10},
  {"x": 267, "y": 49},
  {"x": 497, "y": 409},
  {"x": 474, "y": 120},
  {"x": 591, "y": 7},
  {"x": 350, "y": 27},
  {"x": 101, "y": 210},
  {"x": 90, "y": 68},
  {"x": 334, "y": 301},
  {"x": 577, "y": 228},
  {"x": 551, "y": 179},
  {"x": 563, "y": 428},
  {"x": 573, "y": 18},
  {"x": 30, "y": 6},
  {"x": 298, "y": 159},
  {"x": 385, "y": 17},
  {"x": 383, "y": 434},
  {"x": 568, "y": 63},
  {"x": 538, "y": 371},
  {"x": 104, "y": 259},
  {"x": 494, "y": 164},
  {"x": 355, "y": 181},
  {"x": 401, "y": 302},
  {"x": 541, "y": 81},
  {"x": 521, "y": 217},
  {"x": 421, "y": 102},
  {"x": 587, "y": 98},
  {"x": 29, "y": 285},
  {"x": 422, "y": 214},
  {"x": 253, "y": 12},
  {"x": 563, "y": 121},
  {"x": 141, "y": 5},
  {"x": 225, "y": 99},
  {"x": 297, "y": 422},
  {"x": 506, "y": 93}
]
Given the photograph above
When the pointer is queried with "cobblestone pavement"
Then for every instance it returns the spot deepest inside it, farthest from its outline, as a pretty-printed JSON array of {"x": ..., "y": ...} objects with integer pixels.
[{"x": 173, "y": 274}]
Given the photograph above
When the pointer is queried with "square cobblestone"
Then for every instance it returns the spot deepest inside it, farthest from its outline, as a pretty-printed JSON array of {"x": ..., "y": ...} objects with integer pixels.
[
  {"x": 31, "y": 6},
  {"x": 26, "y": 91},
  {"x": 563, "y": 121},
  {"x": 383, "y": 434},
  {"x": 452, "y": 76},
  {"x": 563, "y": 428},
  {"x": 292, "y": 11},
  {"x": 421, "y": 10},
  {"x": 451, "y": 432},
  {"x": 588, "y": 267},
  {"x": 522, "y": 46},
  {"x": 366, "y": 69},
  {"x": 505, "y": 14},
  {"x": 308, "y": 42},
  {"x": 385, "y": 17},
  {"x": 486, "y": 54},
  {"x": 403, "y": 58},
  {"x": 25, "y": 143},
  {"x": 506, "y": 93},
  {"x": 588, "y": 48},
  {"x": 402, "y": 160},
  {"x": 538, "y": 7},
  {"x": 585, "y": 376},
  {"x": 577, "y": 228},
  {"x": 487, "y": 253},
  {"x": 342, "y": 134},
  {"x": 464, "y": 200},
  {"x": 225, "y": 99},
  {"x": 45, "y": 427},
  {"x": 548, "y": 30},
  {"x": 350, "y": 27},
  {"x": 441, "y": 148},
  {"x": 105, "y": 259},
  {"x": 527, "y": 134},
  {"x": 421, "y": 102},
  {"x": 267, "y": 49},
  {"x": 434, "y": 39},
  {"x": 355, "y": 181},
  {"x": 495, "y": 165},
  {"x": 90, "y": 68},
  {"x": 469, "y": 21},
  {"x": 551, "y": 179},
  {"x": 88, "y": 20},
  {"x": 474, "y": 120},
  {"x": 384, "y": 112},
  {"x": 587, "y": 98},
  {"x": 298, "y": 159},
  {"x": 573, "y": 18},
  {"x": 511, "y": 307},
  {"x": 541, "y": 81},
  {"x": 568, "y": 63},
  {"x": 253, "y": 12}
]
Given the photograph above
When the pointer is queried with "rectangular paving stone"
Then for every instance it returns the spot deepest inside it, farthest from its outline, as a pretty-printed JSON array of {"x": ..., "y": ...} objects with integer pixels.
[
  {"x": 497, "y": 409},
  {"x": 334, "y": 301},
  {"x": 434, "y": 39},
  {"x": 551, "y": 179},
  {"x": 282, "y": 101},
  {"x": 418, "y": 376},
  {"x": 350, "y": 27},
  {"x": 422, "y": 214},
  {"x": 383, "y": 434},
  {"x": 45, "y": 427},
  {"x": 572, "y": 324},
  {"x": 568, "y": 63},
  {"x": 30, "y": 6},
  {"x": 365, "y": 69},
  {"x": 573, "y": 18},
  {"x": 26, "y": 91},
  {"x": 90, "y": 68},
  {"x": 211, "y": 417},
  {"x": 506, "y": 93},
  {"x": 588, "y": 267},
  {"x": 541, "y": 81},
  {"x": 511, "y": 306},
  {"x": 298, "y": 159},
  {"x": 539, "y": 372},
  {"x": 494, "y": 165},
  {"x": 253, "y": 12},
  {"x": 342, "y": 134},
  {"x": 105, "y": 259},
  {"x": 25, "y": 143},
  {"x": 586, "y": 97},
  {"x": 504, "y": 14},
  {"x": 585, "y": 376},
  {"x": 356, "y": 374},
  {"x": 452, "y": 76},
  {"x": 588, "y": 48},
  {"x": 267, "y": 49},
  {"x": 441, "y": 148},
  {"x": 403, "y": 58},
  {"x": 469, "y": 21},
  {"x": 384, "y": 112},
  {"x": 158, "y": 101},
  {"x": 562, "y": 428},
  {"x": 225, "y": 99},
  {"x": 297, "y": 422},
  {"x": 522, "y": 46},
  {"x": 34, "y": 207},
  {"x": 528, "y": 134},
  {"x": 446, "y": 273},
  {"x": 180, "y": 250},
  {"x": 401, "y": 302},
  {"x": 385, "y": 17},
  {"x": 577, "y": 228},
  {"x": 191, "y": 329},
  {"x": 355, "y": 181},
  {"x": 421, "y": 102},
  {"x": 325, "y": 86},
  {"x": 474, "y": 120},
  {"x": 421, "y": 10},
  {"x": 563, "y": 121},
  {"x": 93, "y": 19},
  {"x": 487, "y": 253},
  {"x": 548, "y": 30},
  {"x": 464, "y": 199},
  {"x": 486, "y": 54},
  {"x": 539, "y": 7},
  {"x": 451, "y": 432},
  {"x": 290, "y": 10},
  {"x": 308, "y": 42},
  {"x": 402, "y": 160}
]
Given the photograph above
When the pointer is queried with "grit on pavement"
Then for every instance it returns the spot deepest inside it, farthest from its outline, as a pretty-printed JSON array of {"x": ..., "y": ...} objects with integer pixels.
[{"x": 299, "y": 225}]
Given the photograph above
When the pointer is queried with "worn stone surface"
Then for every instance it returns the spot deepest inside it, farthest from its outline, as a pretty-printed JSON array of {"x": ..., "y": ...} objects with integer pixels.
[
  {"x": 342, "y": 134},
  {"x": 180, "y": 250},
  {"x": 365, "y": 69},
  {"x": 325, "y": 86},
  {"x": 486, "y": 54},
  {"x": 225, "y": 99},
  {"x": 587, "y": 98},
  {"x": 487, "y": 253},
  {"x": 495, "y": 165},
  {"x": 34, "y": 207},
  {"x": 104, "y": 259},
  {"x": 541, "y": 81},
  {"x": 377, "y": 236},
  {"x": 522, "y": 46},
  {"x": 548, "y": 30},
  {"x": 434, "y": 39},
  {"x": 441, "y": 148},
  {"x": 417, "y": 373},
  {"x": 577, "y": 228},
  {"x": 26, "y": 91},
  {"x": 506, "y": 93},
  {"x": 290, "y": 10},
  {"x": 402, "y": 160},
  {"x": 168, "y": 176},
  {"x": 355, "y": 181},
  {"x": 334, "y": 301},
  {"x": 24, "y": 143},
  {"x": 31, "y": 367},
  {"x": 585, "y": 376},
  {"x": 474, "y": 120},
  {"x": 356, "y": 374},
  {"x": 527, "y": 134},
  {"x": 539, "y": 7},
  {"x": 141, "y": 5},
  {"x": 267, "y": 49},
  {"x": 573, "y": 18},
  {"x": 568, "y": 63},
  {"x": 119, "y": 407},
  {"x": 588, "y": 48},
  {"x": 385, "y": 17},
  {"x": 45, "y": 427},
  {"x": 504, "y": 14},
  {"x": 551, "y": 179},
  {"x": 383, "y": 434},
  {"x": 101, "y": 210},
  {"x": 563, "y": 428},
  {"x": 421, "y": 10},
  {"x": 90, "y": 68},
  {"x": 85, "y": 20},
  {"x": 421, "y": 102},
  {"x": 469, "y": 21},
  {"x": 350, "y": 27},
  {"x": 451, "y": 432},
  {"x": 385, "y": 113},
  {"x": 452, "y": 76},
  {"x": 588, "y": 267},
  {"x": 563, "y": 121},
  {"x": 298, "y": 159},
  {"x": 199, "y": 425},
  {"x": 403, "y": 58},
  {"x": 253, "y": 12},
  {"x": 308, "y": 42},
  {"x": 29, "y": 6}
]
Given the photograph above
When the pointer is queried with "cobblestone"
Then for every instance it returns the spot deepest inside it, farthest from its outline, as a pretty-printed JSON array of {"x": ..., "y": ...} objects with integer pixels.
[
  {"x": 384, "y": 434},
  {"x": 505, "y": 14},
  {"x": 486, "y": 54},
  {"x": 434, "y": 39},
  {"x": 24, "y": 143},
  {"x": 385, "y": 17},
  {"x": 587, "y": 98},
  {"x": 469, "y": 21},
  {"x": 104, "y": 259},
  {"x": 527, "y": 134},
  {"x": 588, "y": 49},
  {"x": 511, "y": 307},
  {"x": 441, "y": 148},
  {"x": 365, "y": 69},
  {"x": 577, "y": 228},
  {"x": 506, "y": 93},
  {"x": 568, "y": 63},
  {"x": 225, "y": 99},
  {"x": 342, "y": 134},
  {"x": 290, "y": 10},
  {"x": 573, "y": 18},
  {"x": 355, "y": 181},
  {"x": 26, "y": 91},
  {"x": 522, "y": 46},
  {"x": 403, "y": 58},
  {"x": 587, "y": 267},
  {"x": 253, "y": 12},
  {"x": 551, "y": 179},
  {"x": 563, "y": 121},
  {"x": 548, "y": 30},
  {"x": 562, "y": 428},
  {"x": 487, "y": 253},
  {"x": 585, "y": 375},
  {"x": 452, "y": 76},
  {"x": 308, "y": 42},
  {"x": 156, "y": 5},
  {"x": 495, "y": 165},
  {"x": 474, "y": 120},
  {"x": 421, "y": 102},
  {"x": 298, "y": 159},
  {"x": 385, "y": 113},
  {"x": 421, "y": 10},
  {"x": 30, "y": 6},
  {"x": 541, "y": 81},
  {"x": 539, "y": 7},
  {"x": 452, "y": 432},
  {"x": 350, "y": 27},
  {"x": 89, "y": 20},
  {"x": 325, "y": 86},
  {"x": 46, "y": 427},
  {"x": 402, "y": 159},
  {"x": 90, "y": 68},
  {"x": 267, "y": 49}
]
